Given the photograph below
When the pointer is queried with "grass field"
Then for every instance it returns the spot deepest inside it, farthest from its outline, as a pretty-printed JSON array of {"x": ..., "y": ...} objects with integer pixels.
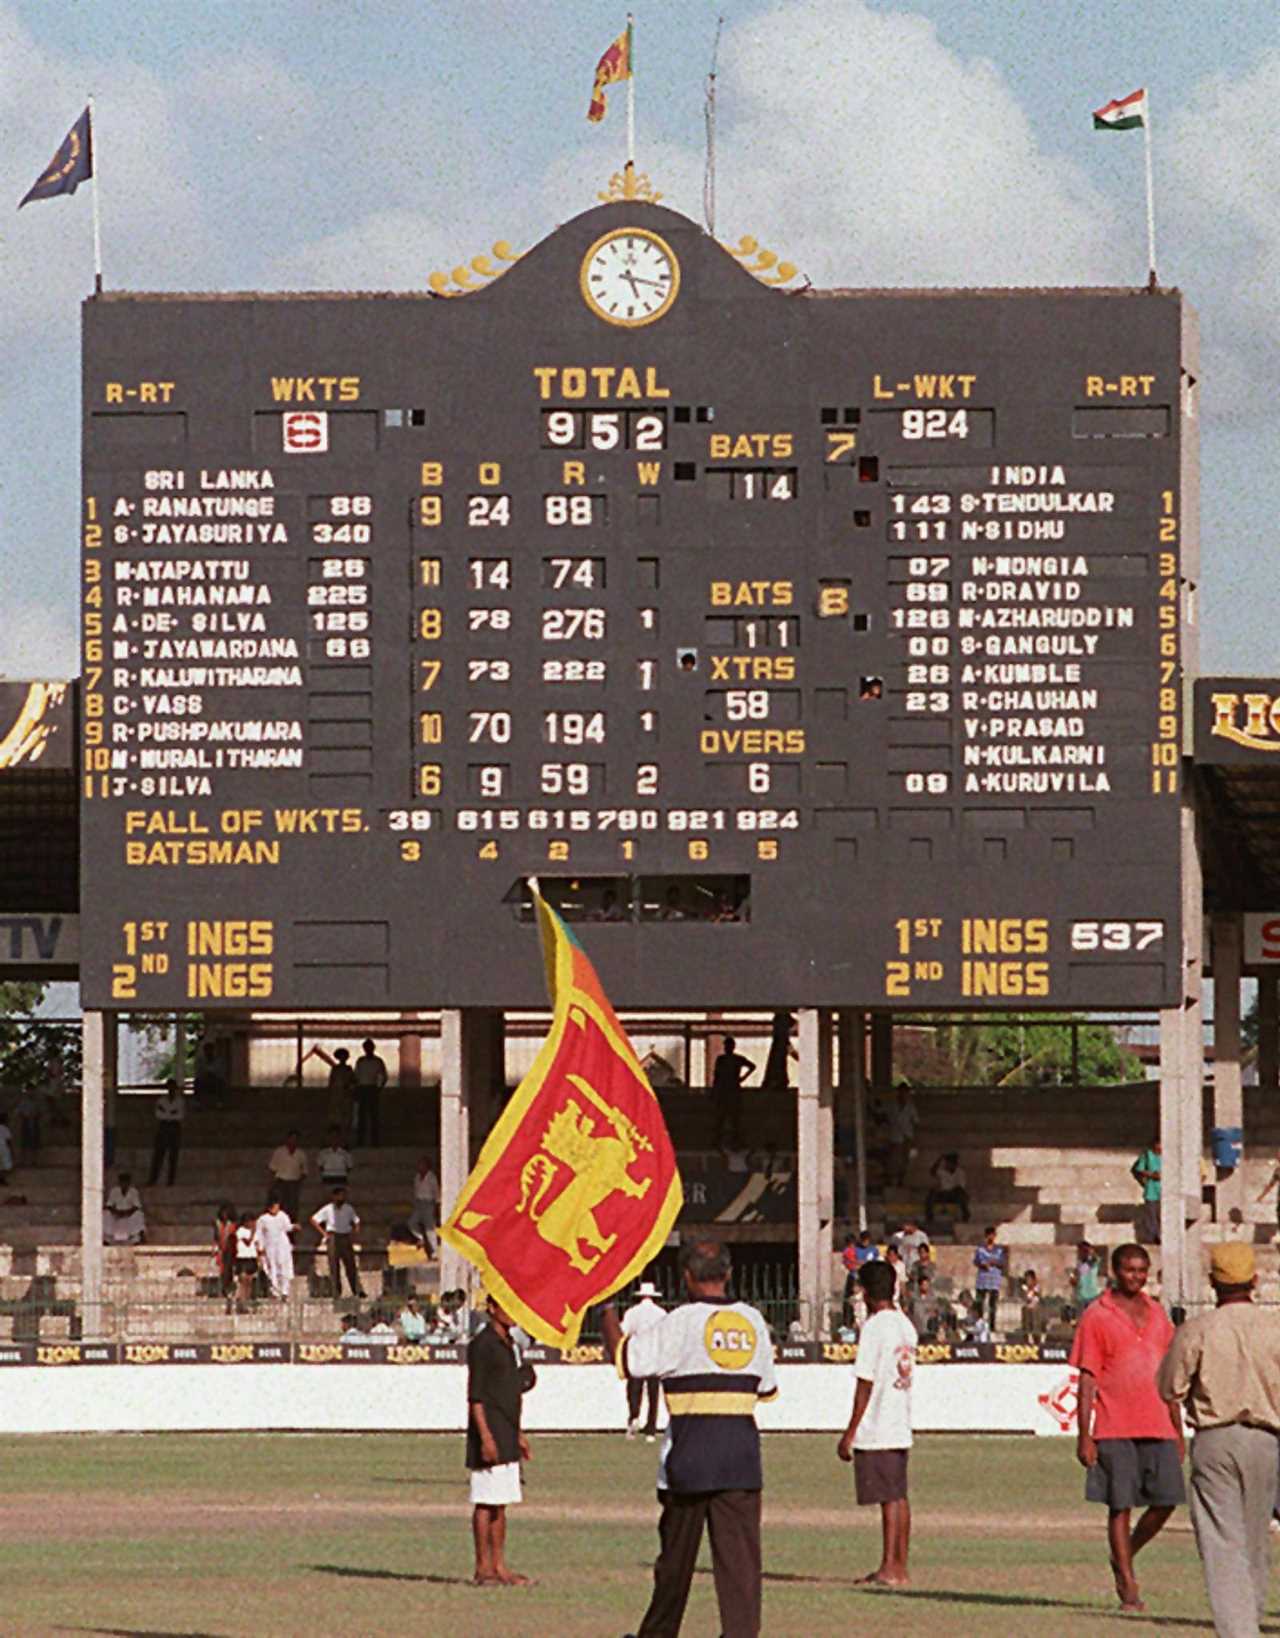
[{"x": 220, "y": 1536}]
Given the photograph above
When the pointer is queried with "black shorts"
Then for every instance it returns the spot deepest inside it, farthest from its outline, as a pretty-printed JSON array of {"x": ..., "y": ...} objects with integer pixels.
[
  {"x": 246, "y": 1265},
  {"x": 1136, "y": 1473},
  {"x": 880, "y": 1476}
]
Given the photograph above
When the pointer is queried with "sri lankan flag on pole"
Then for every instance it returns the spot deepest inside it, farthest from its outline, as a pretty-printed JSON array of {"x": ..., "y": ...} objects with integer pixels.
[
  {"x": 615, "y": 65},
  {"x": 576, "y": 1188},
  {"x": 1122, "y": 113}
]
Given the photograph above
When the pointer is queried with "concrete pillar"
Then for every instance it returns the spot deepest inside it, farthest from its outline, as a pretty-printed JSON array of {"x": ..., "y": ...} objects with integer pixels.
[
  {"x": 455, "y": 1141},
  {"x": 99, "y": 1046},
  {"x": 815, "y": 1157},
  {"x": 1228, "y": 1091},
  {"x": 1182, "y": 1091},
  {"x": 881, "y": 1051},
  {"x": 1269, "y": 1031},
  {"x": 409, "y": 1072},
  {"x": 852, "y": 1024},
  {"x": 471, "y": 1062}
]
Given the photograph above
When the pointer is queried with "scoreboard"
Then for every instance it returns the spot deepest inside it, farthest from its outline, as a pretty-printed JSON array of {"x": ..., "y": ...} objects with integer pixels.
[{"x": 811, "y": 648}]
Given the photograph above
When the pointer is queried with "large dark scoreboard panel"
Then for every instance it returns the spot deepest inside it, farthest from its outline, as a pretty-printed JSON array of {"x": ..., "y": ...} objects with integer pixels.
[{"x": 816, "y": 648}]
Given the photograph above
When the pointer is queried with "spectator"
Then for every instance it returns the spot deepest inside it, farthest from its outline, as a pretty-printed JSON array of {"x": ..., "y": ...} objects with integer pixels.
[
  {"x": 336, "y": 1223},
  {"x": 246, "y": 1261},
  {"x": 1272, "y": 1182},
  {"x": 991, "y": 1261},
  {"x": 865, "y": 1251},
  {"x": 672, "y": 909},
  {"x": 780, "y": 1051},
  {"x": 273, "y": 1243},
  {"x": 353, "y": 1329},
  {"x": 371, "y": 1077},
  {"x": 926, "y": 1266},
  {"x": 412, "y": 1321},
  {"x": 642, "y": 1316},
  {"x": 977, "y": 1330},
  {"x": 903, "y": 1118},
  {"x": 334, "y": 1162},
  {"x": 209, "y": 1085},
  {"x": 727, "y": 1075},
  {"x": 28, "y": 1111},
  {"x": 426, "y": 1205},
  {"x": 908, "y": 1242},
  {"x": 169, "y": 1112},
  {"x": 340, "y": 1108},
  {"x": 123, "y": 1222},
  {"x": 288, "y": 1167},
  {"x": 949, "y": 1187},
  {"x": 381, "y": 1329},
  {"x": 1032, "y": 1305},
  {"x": 1086, "y": 1276},
  {"x": 922, "y": 1310},
  {"x": 224, "y": 1250},
  {"x": 451, "y": 1318},
  {"x": 1146, "y": 1172}
]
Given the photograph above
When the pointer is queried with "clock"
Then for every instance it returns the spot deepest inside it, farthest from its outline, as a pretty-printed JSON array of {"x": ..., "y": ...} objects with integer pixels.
[{"x": 630, "y": 277}]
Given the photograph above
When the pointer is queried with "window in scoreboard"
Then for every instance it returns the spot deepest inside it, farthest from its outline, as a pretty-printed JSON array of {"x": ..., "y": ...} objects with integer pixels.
[{"x": 686, "y": 899}]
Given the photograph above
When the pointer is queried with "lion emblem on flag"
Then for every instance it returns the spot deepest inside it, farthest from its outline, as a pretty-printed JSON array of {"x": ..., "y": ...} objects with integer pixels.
[{"x": 600, "y": 1164}]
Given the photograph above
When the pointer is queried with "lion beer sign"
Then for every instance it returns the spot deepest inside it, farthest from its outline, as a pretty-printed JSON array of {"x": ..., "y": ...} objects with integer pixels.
[{"x": 576, "y": 1188}]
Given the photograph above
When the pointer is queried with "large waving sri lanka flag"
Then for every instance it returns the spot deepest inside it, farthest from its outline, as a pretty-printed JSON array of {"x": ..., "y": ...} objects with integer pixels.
[{"x": 576, "y": 1188}]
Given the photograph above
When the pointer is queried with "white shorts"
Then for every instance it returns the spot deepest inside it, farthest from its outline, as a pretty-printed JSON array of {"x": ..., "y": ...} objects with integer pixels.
[{"x": 496, "y": 1486}]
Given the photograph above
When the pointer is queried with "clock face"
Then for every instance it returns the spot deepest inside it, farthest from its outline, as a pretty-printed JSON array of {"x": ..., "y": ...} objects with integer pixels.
[{"x": 630, "y": 277}]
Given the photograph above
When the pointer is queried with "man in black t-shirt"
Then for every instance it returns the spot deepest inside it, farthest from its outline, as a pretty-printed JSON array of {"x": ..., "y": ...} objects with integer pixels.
[{"x": 496, "y": 1382}]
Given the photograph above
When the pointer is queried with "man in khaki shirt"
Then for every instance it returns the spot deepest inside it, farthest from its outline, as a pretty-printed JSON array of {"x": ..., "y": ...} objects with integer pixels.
[{"x": 1225, "y": 1367}]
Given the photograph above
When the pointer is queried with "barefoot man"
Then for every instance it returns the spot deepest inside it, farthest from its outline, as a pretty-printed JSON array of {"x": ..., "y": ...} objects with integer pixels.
[
  {"x": 878, "y": 1438},
  {"x": 496, "y": 1383},
  {"x": 1129, "y": 1441}
]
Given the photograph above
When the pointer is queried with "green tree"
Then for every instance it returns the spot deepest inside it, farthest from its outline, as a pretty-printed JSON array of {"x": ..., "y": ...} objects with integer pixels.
[
  {"x": 30, "y": 1047},
  {"x": 987, "y": 1051}
]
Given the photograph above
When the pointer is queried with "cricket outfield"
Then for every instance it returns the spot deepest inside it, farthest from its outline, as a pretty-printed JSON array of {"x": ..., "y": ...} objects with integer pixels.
[{"x": 232, "y": 1535}]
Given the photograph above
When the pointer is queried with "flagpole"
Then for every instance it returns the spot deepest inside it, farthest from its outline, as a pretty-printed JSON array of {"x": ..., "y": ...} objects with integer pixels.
[
  {"x": 631, "y": 94},
  {"x": 1151, "y": 199},
  {"x": 97, "y": 219},
  {"x": 709, "y": 179}
]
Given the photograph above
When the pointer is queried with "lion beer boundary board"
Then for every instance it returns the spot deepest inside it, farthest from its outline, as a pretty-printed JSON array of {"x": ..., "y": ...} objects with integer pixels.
[{"x": 816, "y": 647}]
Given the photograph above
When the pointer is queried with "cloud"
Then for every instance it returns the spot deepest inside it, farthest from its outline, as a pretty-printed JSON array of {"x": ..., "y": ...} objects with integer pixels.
[
  {"x": 1215, "y": 176},
  {"x": 855, "y": 142},
  {"x": 38, "y": 641}
]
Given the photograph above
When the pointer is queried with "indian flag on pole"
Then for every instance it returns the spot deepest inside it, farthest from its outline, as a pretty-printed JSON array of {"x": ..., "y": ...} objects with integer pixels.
[{"x": 1123, "y": 114}]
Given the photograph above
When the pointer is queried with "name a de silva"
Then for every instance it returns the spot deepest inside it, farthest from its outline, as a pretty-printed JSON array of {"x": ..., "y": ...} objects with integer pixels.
[{"x": 170, "y": 837}]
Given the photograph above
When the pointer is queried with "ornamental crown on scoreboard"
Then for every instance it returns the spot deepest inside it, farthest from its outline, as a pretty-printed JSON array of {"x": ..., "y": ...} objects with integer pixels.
[{"x": 813, "y": 647}]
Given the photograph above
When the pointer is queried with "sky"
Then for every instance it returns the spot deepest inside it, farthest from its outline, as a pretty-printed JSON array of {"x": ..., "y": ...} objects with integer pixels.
[{"x": 360, "y": 144}]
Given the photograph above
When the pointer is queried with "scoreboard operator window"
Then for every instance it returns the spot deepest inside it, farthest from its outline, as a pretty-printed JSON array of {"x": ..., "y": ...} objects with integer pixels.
[{"x": 814, "y": 649}]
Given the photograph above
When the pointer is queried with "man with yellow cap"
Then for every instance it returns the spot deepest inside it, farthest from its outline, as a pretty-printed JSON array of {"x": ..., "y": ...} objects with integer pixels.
[{"x": 1225, "y": 1367}]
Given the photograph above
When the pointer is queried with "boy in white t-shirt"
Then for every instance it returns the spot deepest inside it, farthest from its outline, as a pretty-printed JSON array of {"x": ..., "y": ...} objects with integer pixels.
[{"x": 878, "y": 1438}]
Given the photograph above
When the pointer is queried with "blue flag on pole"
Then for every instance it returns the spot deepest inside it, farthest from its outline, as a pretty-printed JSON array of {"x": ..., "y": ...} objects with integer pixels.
[{"x": 69, "y": 167}]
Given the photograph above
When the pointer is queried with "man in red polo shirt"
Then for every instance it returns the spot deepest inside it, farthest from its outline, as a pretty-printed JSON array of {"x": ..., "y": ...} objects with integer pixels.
[{"x": 1129, "y": 1440}]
